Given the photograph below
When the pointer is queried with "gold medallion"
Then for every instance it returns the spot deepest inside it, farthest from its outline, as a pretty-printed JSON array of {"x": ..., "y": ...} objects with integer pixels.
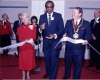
[{"x": 75, "y": 35}]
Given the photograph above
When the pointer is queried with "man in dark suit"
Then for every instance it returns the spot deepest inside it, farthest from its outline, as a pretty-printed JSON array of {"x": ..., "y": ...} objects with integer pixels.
[
  {"x": 15, "y": 26},
  {"x": 95, "y": 42},
  {"x": 76, "y": 28},
  {"x": 51, "y": 23}
]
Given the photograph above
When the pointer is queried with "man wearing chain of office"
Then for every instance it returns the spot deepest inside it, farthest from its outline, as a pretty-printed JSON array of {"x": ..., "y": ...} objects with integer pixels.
[{"x": 76, "y": 28}]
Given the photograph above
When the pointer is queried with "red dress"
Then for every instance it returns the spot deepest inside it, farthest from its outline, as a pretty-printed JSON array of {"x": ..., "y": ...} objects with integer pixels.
[{"x": 26, "y": 52}]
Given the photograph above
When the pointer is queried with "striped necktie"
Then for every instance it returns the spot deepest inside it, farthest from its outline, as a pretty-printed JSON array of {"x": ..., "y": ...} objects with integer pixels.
[{"x": 49, "y": 20}]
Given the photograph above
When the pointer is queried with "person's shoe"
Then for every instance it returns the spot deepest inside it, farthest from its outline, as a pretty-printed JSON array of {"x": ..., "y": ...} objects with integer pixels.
[
  {"x": 6, "y": 52},
  {"x": 64, "y": 78},
  {"x": 90, "y": 66},
  {"x": 2, "y": 54},
  {"x": 45, "y": 76},
  {"x": 15, "y": 55}
]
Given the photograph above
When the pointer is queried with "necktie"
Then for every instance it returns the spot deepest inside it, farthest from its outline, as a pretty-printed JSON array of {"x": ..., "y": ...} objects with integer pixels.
[
  {"x": 76, "y": 25},
  {"x": 94, "y": 23},
  {"x": 49, "y": 20}
]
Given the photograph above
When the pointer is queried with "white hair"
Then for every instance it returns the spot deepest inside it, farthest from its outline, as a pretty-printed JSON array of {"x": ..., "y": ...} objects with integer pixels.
[{"x": 23, "y": 14}]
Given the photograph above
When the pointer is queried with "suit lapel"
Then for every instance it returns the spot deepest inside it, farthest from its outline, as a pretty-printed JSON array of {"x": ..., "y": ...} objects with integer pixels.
[
  {"x": 80, "y": 22},
  {"x": 17, "y": 23},
  {"x": 92, "y": 22},
  {"x": 52, "y": 20},
  {"x": 46, "y": 19},
  {"x": 71, "y": 27},
  {"x": 99, "y": 19}
]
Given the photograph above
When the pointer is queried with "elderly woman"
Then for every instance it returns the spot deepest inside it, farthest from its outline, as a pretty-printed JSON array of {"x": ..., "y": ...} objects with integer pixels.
[
  {"x": 5, "y": 33},
  {"x": 26, "y": 52}
]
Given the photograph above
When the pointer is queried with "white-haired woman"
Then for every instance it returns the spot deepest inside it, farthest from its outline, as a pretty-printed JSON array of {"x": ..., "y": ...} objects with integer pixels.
[
  {"x": 26, "y": 52},
  {"x": 5, "y": 33}
]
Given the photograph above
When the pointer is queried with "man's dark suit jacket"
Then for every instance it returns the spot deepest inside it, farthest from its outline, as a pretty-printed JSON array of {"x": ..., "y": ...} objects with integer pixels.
[
  {"x": 56, "y": 27},
  {"x": 96, "y": 32},
  {"x": 84, "y": 33},
  {"x": 15, "y": 27}
]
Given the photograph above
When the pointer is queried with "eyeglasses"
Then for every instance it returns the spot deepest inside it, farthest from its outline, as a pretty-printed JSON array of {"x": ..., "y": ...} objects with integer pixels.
[{"x": 49, "y": 6}]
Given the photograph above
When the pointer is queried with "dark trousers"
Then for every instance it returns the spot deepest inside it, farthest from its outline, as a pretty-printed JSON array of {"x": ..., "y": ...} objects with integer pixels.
[
  {"x": 92, "y": 57},
  {"x": 97, "y": 46},
  {"x": 77, "y": 59},
  {"x": 97, "y": 61},
  {"x": 5, "y": 41},
  {"x": 51, "y": 57}
]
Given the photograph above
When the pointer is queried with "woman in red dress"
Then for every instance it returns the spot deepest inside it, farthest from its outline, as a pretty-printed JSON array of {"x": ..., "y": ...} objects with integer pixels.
[{"x": 26, "y": 52}]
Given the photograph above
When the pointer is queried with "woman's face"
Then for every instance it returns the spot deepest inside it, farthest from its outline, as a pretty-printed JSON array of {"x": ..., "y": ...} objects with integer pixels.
[
  {"x": 4, "y": 17},
  {"x": 33, "y": 20},
  {"x": 25, "y": 19}
]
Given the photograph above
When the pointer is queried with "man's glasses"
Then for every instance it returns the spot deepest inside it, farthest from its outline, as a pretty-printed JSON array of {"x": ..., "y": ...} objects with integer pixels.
[{"x": 49, "y": 6}]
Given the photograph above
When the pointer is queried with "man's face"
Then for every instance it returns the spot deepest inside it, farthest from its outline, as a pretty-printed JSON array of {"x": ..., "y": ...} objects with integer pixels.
[
  {"x": 75, "y": 14},
  {"x": 49, "y": 7},
  {"x": 96, "y": 14}
]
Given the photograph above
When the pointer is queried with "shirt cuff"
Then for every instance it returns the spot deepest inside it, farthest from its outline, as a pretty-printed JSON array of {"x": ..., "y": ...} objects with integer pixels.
[{"x": 55, "y": 36}]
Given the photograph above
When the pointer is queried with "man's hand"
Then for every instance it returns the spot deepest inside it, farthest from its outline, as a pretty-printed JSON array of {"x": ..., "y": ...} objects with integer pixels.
[
  {"x": 84, "y": 43},
  {"x": 51, "y": 36},
  {"x": 42, "y": 26},
  {"x": 94, "y": 38},
  {"x": 65, "y": 35}
]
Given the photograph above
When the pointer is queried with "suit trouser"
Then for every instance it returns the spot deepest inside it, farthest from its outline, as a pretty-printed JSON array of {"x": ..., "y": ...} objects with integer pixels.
[
  {"x": 97, "y": 55},
  {"x": 51, "y": 57},
  {"x": 78, "y": 59},
  {"x": 92, "y": 57},
  {"x": 97, "y": 60}
]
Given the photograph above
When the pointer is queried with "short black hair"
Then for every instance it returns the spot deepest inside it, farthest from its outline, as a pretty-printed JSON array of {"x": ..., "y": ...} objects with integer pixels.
[
  {"x": 34, "y": 17},
  {"x": 80, "y": 10},
  {"x": 49, "y": 2},
  {"x": 19, "y": 14}
]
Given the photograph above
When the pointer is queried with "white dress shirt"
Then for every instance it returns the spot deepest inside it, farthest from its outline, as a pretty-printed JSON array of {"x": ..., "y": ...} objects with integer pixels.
[
  {"x": 48, "y": 21},
  {"x": 78, "y": 21}
]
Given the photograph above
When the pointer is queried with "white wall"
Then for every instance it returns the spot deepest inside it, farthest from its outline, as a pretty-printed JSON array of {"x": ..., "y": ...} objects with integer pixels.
[{"x": 13, "y": 8}]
